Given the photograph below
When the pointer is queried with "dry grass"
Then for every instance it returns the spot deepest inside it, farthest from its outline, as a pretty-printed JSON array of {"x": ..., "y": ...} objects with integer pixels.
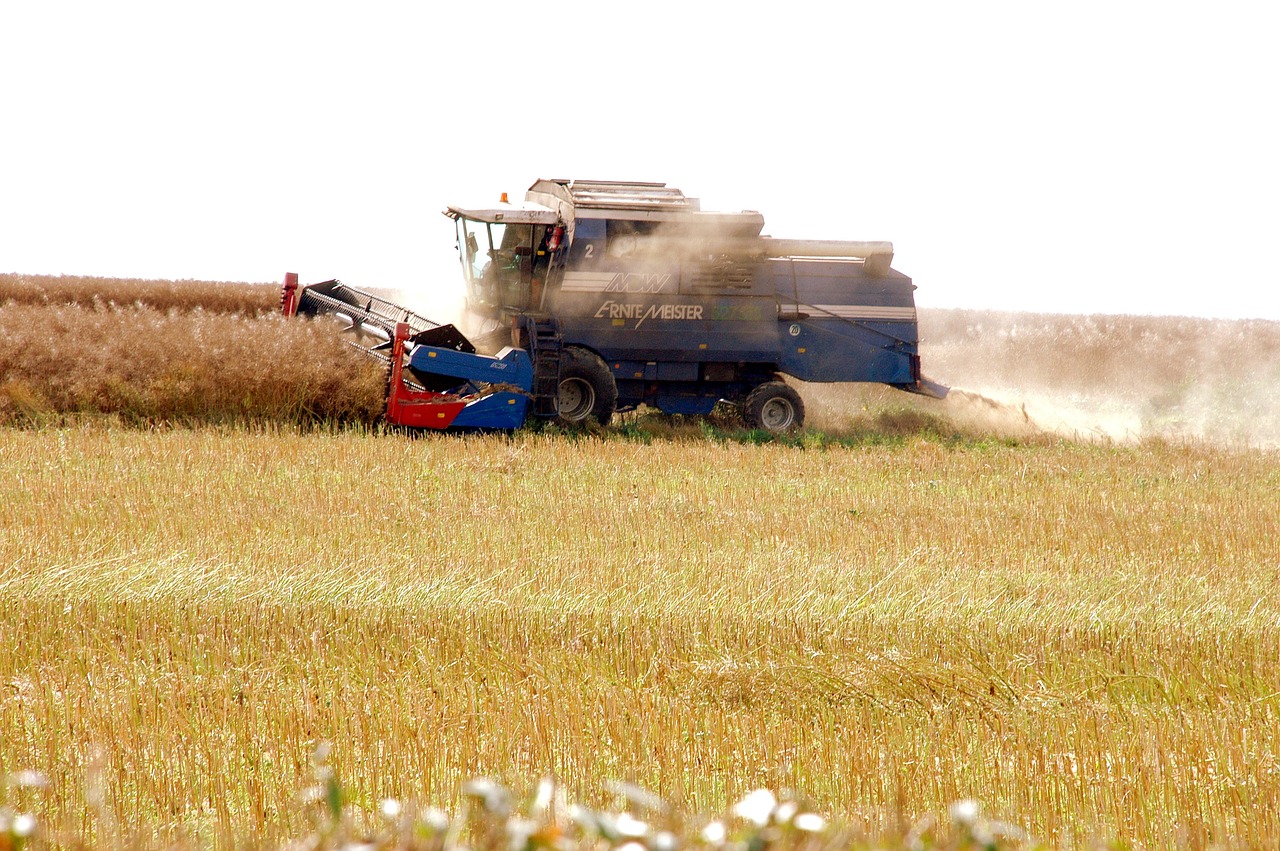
[
  {"x": 212, "y": 296},
  {"x": 164, "y": 353},
  {"x": 1086, "y": 639}
]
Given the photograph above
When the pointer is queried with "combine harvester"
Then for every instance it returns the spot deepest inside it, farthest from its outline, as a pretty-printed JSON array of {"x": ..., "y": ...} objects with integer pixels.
[{"x": 594, "y": 297}]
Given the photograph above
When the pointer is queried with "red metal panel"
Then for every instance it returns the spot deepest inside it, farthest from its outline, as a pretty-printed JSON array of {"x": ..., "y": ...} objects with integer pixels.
[
  {"x": 416, "y": 408},
  {"x": 289, "y": 296}
]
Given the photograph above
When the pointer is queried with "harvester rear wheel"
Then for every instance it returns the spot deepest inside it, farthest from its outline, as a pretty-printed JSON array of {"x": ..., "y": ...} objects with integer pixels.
[
  {"x": 587, "y": 389},
  {"x": 774, "y": 407}
]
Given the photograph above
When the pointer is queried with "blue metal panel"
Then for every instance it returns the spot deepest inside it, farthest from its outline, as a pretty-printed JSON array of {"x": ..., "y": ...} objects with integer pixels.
[
  {"x": 655, "y": 328},
  {"x": 658, "y": 307},
  {"x": 497, "y": 410},
  {"x": 511, "y": 366},
  {"x": 673, "y": 371},
  {"x": 687, "y": 405},
  {"x": 587, "y": 249},
  {"x": 836, "y": 350},
  {"x": 843, "y": 289},
  {"x": 624, "y": 370}
]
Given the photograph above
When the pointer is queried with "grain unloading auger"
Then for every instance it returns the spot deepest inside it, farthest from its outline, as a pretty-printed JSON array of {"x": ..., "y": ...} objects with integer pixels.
[
  {"x": 593, "y": 297},
  {"x": 435, "y": 377}
]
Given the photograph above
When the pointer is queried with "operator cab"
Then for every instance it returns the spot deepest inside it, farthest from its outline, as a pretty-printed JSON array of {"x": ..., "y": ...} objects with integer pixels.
[{"x": 505, "y": 252}]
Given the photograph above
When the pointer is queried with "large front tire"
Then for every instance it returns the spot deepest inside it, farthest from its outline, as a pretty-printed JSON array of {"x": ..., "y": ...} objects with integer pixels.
[
  {"x": 587, "y": 389},
  {"x": 774, "y": 407}
]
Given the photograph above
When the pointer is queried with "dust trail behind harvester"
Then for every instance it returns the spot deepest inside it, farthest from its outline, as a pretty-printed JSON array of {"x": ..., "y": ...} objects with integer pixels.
[{"x": 1123, "y": 378}]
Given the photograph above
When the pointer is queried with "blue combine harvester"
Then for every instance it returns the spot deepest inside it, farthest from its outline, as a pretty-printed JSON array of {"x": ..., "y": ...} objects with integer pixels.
[{"x": 593, "y": 297}]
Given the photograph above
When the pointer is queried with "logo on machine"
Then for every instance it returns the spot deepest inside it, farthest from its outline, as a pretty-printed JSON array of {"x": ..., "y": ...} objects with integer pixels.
[
  {"x": 643, "y": 312},
  {"x": 637, "y": 282},
  {"x": 634, "y": 283}
]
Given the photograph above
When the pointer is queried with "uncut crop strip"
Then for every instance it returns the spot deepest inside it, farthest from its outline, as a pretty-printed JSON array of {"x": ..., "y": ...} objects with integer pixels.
[
  {"x": 1086, "y": 639},
  {"x": 143, "y": 365},
  {"x": 212, "y": 296},
  {"x": 172, "y": 352}
]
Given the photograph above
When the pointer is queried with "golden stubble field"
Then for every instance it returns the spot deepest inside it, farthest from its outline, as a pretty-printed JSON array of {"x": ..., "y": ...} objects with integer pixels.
[
  {"x": 912, "y": 605},
  {"x": 1085, "y": 638}
]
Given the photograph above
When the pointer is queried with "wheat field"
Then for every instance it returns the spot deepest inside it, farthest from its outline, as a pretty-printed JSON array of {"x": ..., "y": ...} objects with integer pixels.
[{"x": 905, "y": 607}]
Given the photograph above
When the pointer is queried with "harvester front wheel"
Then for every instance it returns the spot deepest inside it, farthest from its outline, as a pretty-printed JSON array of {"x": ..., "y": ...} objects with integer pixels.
[
  {"x": 774, "y": 407},
  {"x": 587, "y": 389}
]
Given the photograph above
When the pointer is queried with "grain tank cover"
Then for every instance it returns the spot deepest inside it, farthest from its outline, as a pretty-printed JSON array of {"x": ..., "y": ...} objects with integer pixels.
[
  {"x": 579, "y": 200},
  {"x": 614, "y": 195}
]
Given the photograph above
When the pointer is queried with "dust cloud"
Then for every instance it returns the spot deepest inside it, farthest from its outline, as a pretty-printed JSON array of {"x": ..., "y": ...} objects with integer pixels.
[{"x": 1124, "y": 378}]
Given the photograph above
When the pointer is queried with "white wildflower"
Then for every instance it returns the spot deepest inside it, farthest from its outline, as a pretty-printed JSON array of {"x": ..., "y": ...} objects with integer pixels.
[
  {"x": 810, "y": 822},
  {"x": 24, "y": 824},
  {"x": 436, "y": 820},
  {"x": 664, "y": 841},
  {"x": 965, "y": 812},
  {"x": 714, "y": 833},
  {"x": 543, "y": 797},
  {"x": 756, "y": 807},
  {"x": 628, "y": 825}
]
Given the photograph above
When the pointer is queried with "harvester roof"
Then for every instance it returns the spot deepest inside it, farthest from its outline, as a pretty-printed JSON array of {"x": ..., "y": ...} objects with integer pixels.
[{"x": 519, "y": 213}]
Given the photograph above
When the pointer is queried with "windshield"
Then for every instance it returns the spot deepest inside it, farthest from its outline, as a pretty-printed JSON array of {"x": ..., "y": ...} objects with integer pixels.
[{"x": 498, "y": 262}]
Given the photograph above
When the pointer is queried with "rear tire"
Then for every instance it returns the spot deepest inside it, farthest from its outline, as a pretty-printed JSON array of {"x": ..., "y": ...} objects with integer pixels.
[
  {"x": 587, "y": 389},
  {"x": 773, "y": 407}
]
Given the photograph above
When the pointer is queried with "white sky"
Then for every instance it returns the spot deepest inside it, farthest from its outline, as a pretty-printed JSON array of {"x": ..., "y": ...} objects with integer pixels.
[{"x": 1104, "y": 157}]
